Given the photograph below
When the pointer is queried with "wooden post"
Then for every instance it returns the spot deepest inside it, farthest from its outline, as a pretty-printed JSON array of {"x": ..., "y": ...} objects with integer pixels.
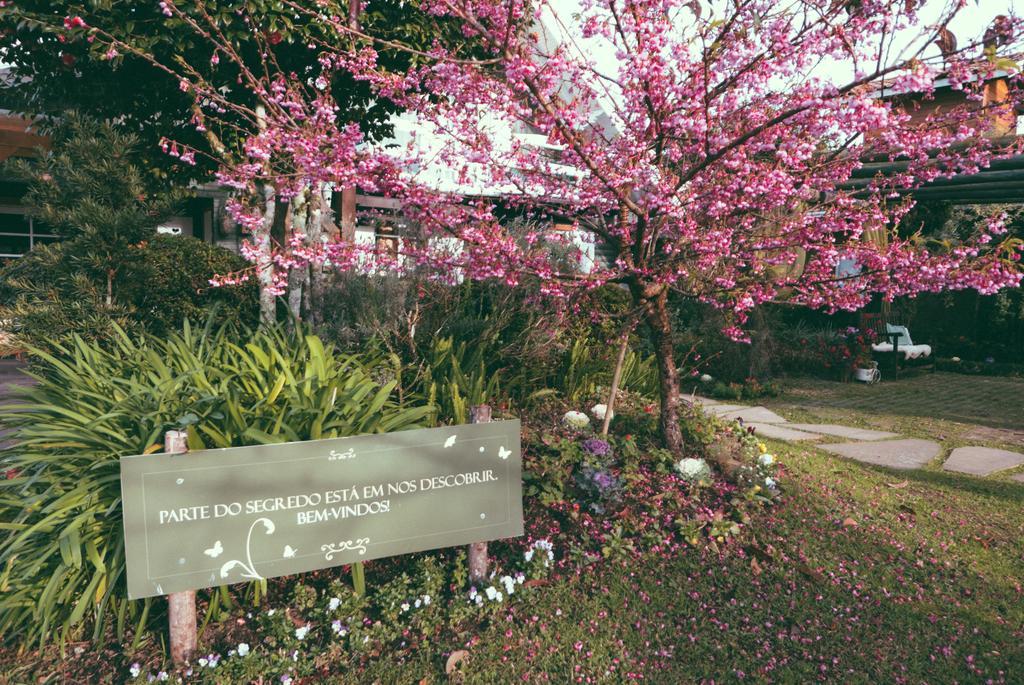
[
  {"x": 181, "y": 606},
  {"x": 616, "y": 377},
  {"x": 347, "y": 218},
  {"x": 480, "y": 413}
]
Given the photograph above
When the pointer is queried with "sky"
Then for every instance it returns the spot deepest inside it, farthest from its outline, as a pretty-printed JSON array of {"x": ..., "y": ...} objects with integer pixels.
[{"x": 968, "y": 26}]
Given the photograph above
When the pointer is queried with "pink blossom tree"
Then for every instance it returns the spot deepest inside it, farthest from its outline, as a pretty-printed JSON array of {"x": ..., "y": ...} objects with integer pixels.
[{"x": 711, "y": 146}]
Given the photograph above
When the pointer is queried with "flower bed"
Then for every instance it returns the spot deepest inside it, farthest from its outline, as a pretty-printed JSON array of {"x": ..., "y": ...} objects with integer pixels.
[{"x": 589, "y": 501}]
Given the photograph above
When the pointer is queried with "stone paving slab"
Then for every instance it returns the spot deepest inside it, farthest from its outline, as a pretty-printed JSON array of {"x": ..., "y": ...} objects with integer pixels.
[
  {"x": 981, "y": 461},
  {"x": 753, "y": 415},
  {"x": 697, "y": 399},
  {"x": 896, "y": 454},
  {"x": 781, "y": 432},
  {"x": 719, "y": 409},
  {"x": 843, "y": 431}
]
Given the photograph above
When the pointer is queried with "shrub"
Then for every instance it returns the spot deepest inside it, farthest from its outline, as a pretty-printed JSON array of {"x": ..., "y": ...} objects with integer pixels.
[
  {"x": 172, "y": 285},
  {"x": 48, "y": 297},
  {"x": 749, "y": 389},
  {"x": 45, "y": 297},
  {"x": 455, "y": 377},
  {"x": 61, "y": 549}
]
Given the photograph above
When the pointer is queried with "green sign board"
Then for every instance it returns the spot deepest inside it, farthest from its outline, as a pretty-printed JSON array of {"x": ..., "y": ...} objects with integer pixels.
[{"x": 224, "y": 516}]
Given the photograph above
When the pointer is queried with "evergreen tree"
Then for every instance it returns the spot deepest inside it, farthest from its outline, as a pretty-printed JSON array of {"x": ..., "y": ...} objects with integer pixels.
[{"x": 92, "y": 191}]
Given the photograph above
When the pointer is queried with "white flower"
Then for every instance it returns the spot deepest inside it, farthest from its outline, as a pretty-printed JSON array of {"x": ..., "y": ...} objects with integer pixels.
[
  {"x": 426, "y": 600},
  {"x": 491, "y": 592},
  {"x": 339, "y": 629},
  {"x": 576, "y": 419},
  {"x": 135, "y": 670},
  {"x": 509, "y": 583},
  {"x": 162, "y": 676},
  {"x": 766, "y": 460},
  {"x": 202, "y": 662},
  {"x": 769, "y": 482},
  {"x": 544, "y": 546},
  {"x": 333, "y": 604},
  {"x": 300, "y": 633},
  {"x": 693, "y": 470},
  {"x": 472, "y": 593},
  {"x": 955, "y": 359},
  {"x": 705, "y": 378},
  {"x": 286, "y": 679},
  {"x": 243, "y": 649},
  {"x": 405, "y": 606},
  {"x": 600, "y": 411}
]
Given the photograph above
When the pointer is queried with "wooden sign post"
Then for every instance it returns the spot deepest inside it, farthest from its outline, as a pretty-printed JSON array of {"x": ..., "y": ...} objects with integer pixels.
[
  {"x": 181, "y": 606},
  {"x": 205, "y": 518},
  {"x": 480, "y": 413}
]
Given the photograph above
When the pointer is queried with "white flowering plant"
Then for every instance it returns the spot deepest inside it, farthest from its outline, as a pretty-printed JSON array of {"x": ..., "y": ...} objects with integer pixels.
[
  {"x": 696, "y": 472},
  {"x": 576, "y": 420},
  {"x": 760, "y": 473}
]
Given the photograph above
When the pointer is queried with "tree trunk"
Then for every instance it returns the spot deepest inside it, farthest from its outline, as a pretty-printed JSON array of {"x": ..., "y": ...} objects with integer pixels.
[
  {"x": 722, "y": 453},
  {"x": 299, "y": 211},
  {"x": 110, "y": 288},
  {"x": 319, "y": 217},
  {"x": 265, "y": 259},
  {"x": 760, "y": 346},
  {"x": 659, "y": 326}
]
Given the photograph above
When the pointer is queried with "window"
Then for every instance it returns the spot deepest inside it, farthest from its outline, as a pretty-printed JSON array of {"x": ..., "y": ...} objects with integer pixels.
[
  {"x": 386, "y": 242},
  {"x": 19, "y": 233}
]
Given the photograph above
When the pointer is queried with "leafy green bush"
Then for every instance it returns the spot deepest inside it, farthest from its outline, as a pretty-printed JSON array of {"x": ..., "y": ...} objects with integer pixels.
[
  {"x": 455, "y": 378},
  {"x": 48, "y": 297},
  {"x": 589, "y": 364},
  {"x": 45, "y": 297},
  {"x": 172, "y": 285},
  {"x": 61, "y": 546},
  {"x": 749, "y": 389}
]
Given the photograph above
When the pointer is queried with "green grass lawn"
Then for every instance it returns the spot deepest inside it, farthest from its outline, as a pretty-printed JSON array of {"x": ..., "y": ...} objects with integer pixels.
[
  {"x": 957, "y": 398},
  {"x": 862, "y": 576}
]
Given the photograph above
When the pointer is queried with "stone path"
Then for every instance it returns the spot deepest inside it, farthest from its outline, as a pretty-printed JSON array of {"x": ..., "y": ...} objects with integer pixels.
[
  {"x": 779, "y": 432},
  {"x": 843, "y": 431},
  {"x": 752, "y": 415},
  {"x": 872, "y": 446},
  {"x": 982, "y": 461},
  {"x": 896, "y": 454}
]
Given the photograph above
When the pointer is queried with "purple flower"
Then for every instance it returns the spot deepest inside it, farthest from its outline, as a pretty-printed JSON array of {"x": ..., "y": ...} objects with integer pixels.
[{"x": 597, "y": 447}]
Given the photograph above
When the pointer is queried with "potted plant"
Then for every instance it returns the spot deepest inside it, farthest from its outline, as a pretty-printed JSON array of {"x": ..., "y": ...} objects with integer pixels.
[
  {"x": 848, "y": 354},
  {"x": 865, "y": 369},
  {"x": 867, "y": 372}
]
